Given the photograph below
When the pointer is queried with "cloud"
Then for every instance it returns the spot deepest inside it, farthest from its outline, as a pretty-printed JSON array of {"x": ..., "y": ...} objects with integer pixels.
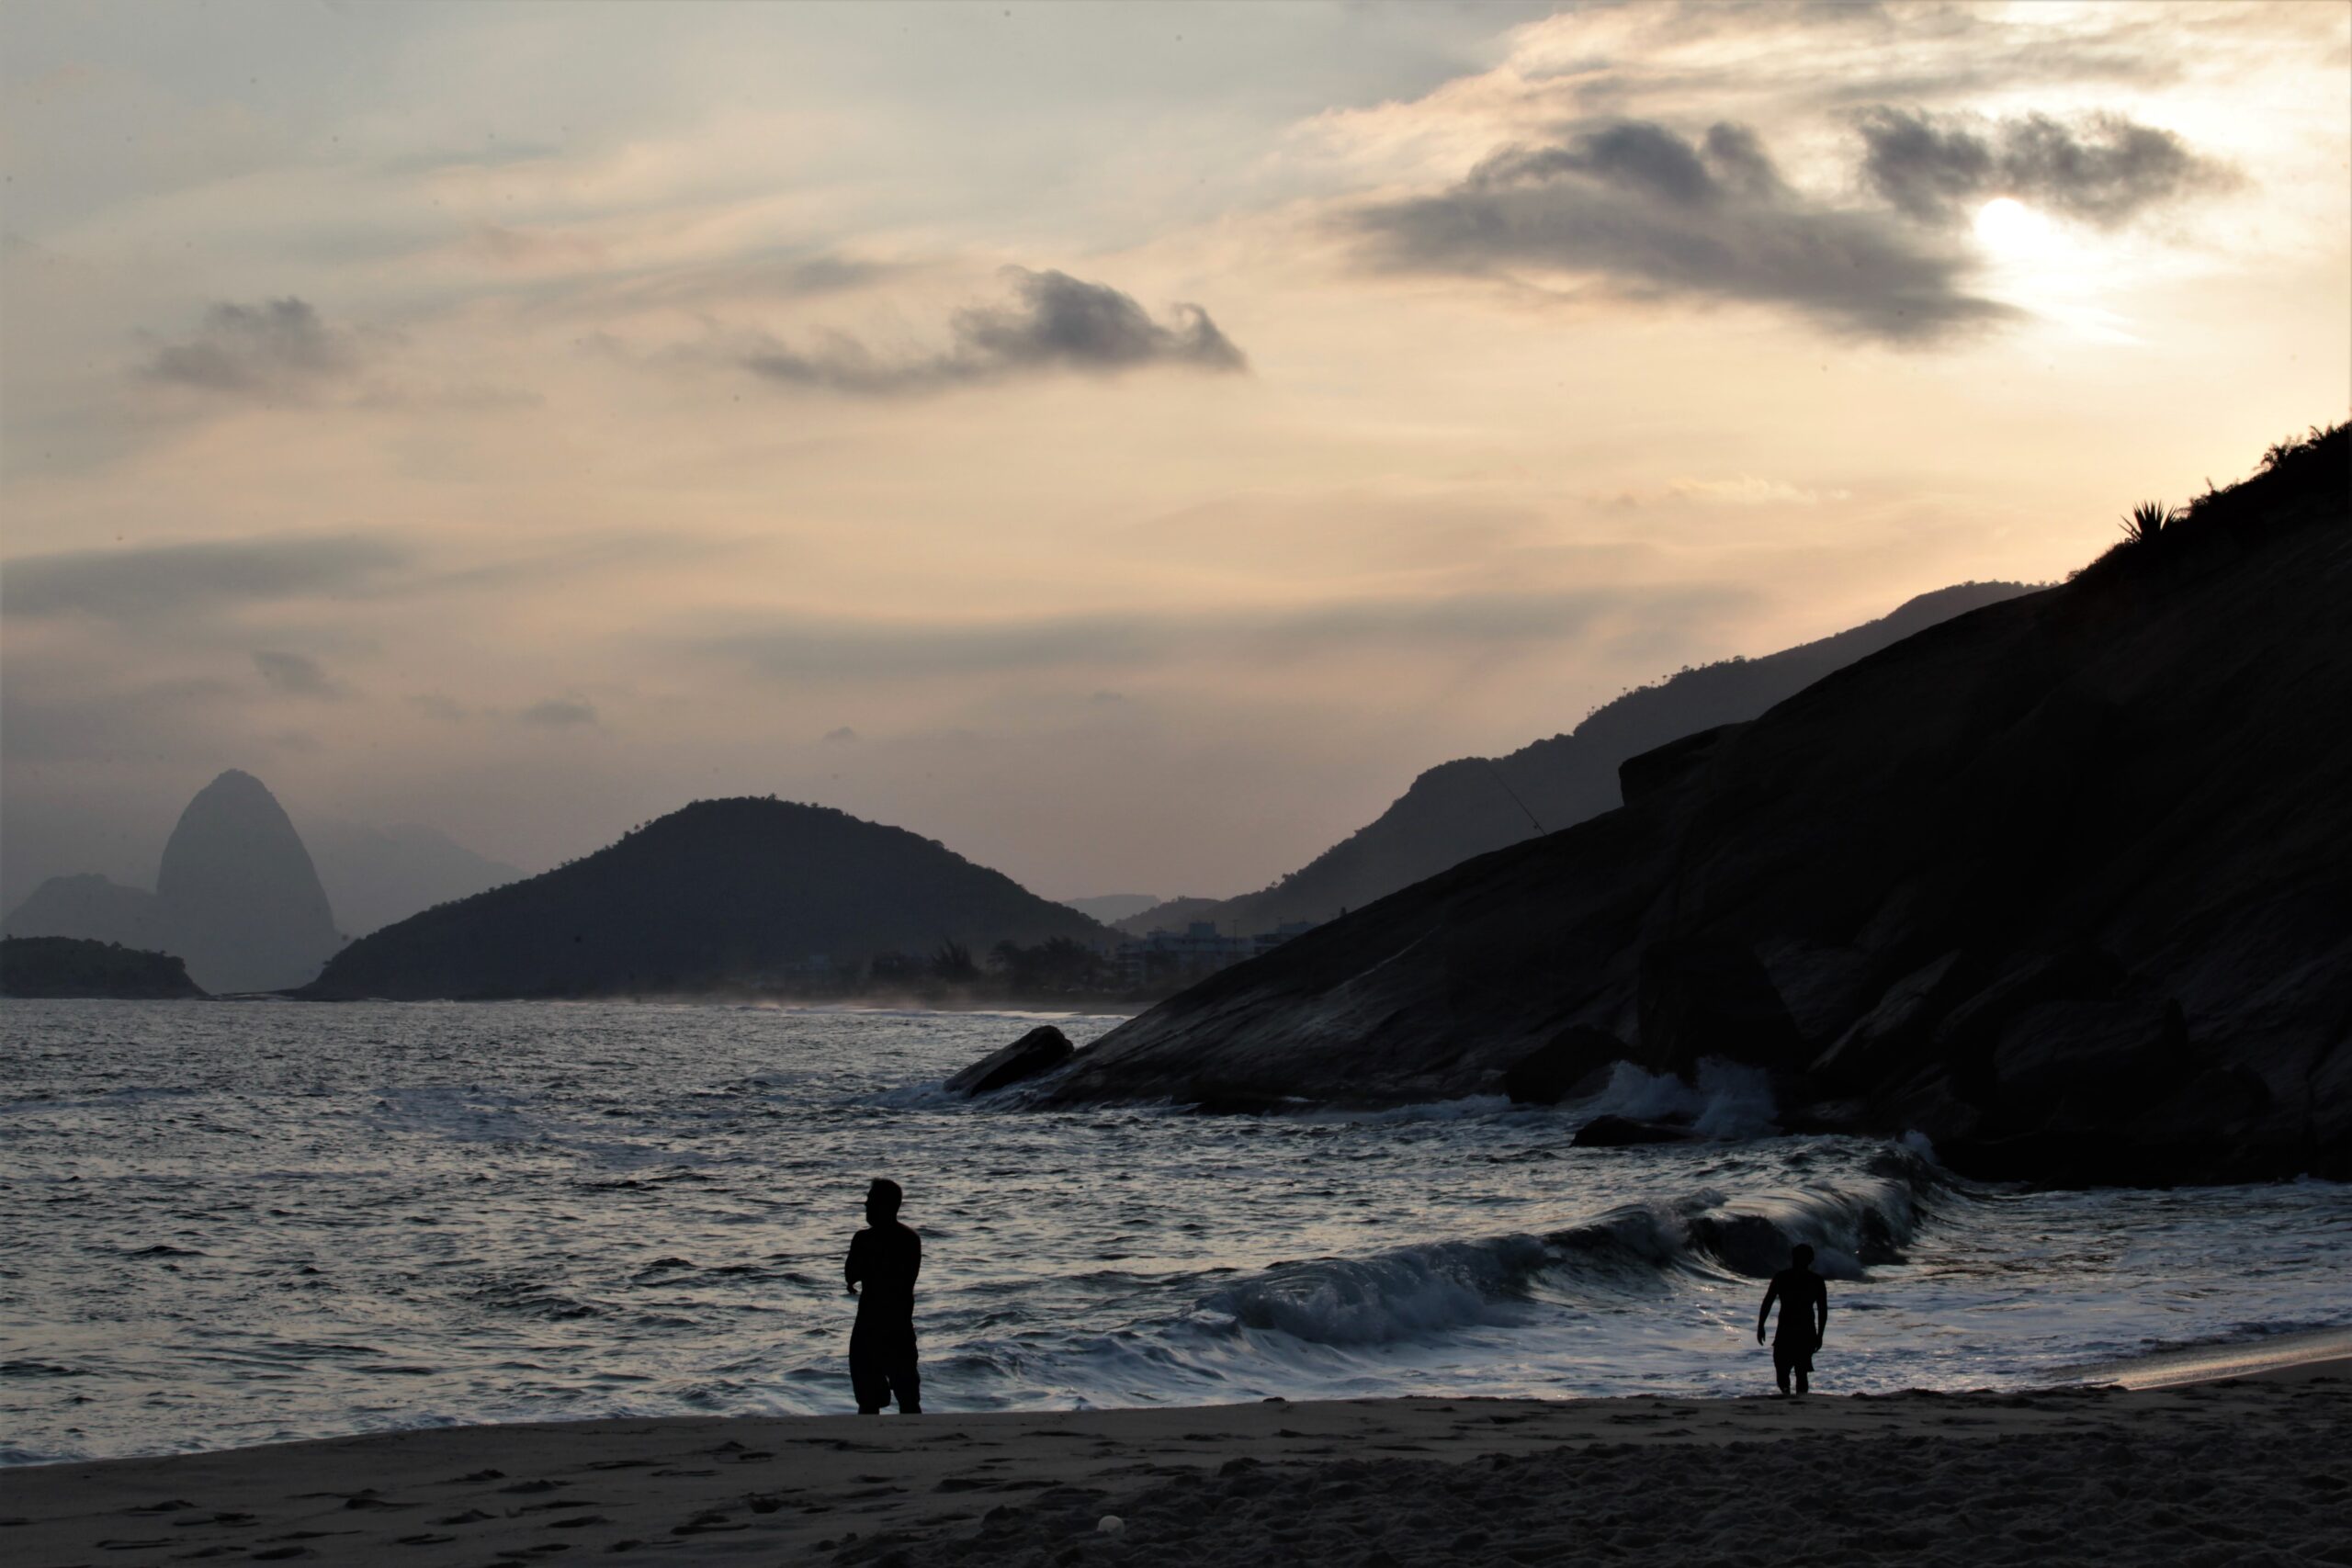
[
  {"x": 173, "y": 581},
  {"x": 1058, "y": 323},
  {"x": 809, "y": 648},
  {"x": 843, "y": 736},
  {"x": 1748, "y": 490},
  {"x": 298, "y": 675},
  {"x": 277, "y": 348},
  {"x": 2104, "y": 169},
  {"x": 559, "y": 713},
  {"x": 1633, "y": 203}
]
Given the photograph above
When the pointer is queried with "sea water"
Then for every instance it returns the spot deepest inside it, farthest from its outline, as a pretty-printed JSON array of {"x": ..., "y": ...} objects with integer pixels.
[{"x": 224, "y": 1224}]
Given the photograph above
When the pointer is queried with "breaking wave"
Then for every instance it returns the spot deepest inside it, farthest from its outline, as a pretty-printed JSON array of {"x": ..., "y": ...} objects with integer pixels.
[{"x": 1412, "y": 1291}]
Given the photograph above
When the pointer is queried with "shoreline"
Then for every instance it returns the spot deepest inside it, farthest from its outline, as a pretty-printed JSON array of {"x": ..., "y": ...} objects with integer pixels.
[{"x": 794, "y": 1488}]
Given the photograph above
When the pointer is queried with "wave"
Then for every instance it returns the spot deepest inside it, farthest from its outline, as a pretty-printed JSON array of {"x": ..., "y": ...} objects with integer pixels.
[
  {"x": 1728, "y": 1103},
  {"x": 1412, "y": 1293}
]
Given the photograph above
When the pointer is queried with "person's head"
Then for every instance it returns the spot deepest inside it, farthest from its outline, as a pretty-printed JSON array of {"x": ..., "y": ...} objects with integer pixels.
[
  {"x": 882, "y": 1201},
  {"x": 1801, "y": 1256}
]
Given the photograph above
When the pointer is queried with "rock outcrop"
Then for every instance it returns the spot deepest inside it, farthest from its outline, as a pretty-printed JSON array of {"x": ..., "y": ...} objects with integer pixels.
[
  {"x": 720, "y": 895},
  {"x": 1041, "y": 1050},
  {"x": 2064, "y": 883},
  {"x": 63, "y": 966}
]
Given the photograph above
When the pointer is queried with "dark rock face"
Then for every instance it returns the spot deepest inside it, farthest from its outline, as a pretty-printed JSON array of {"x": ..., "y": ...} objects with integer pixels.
[
  {"x": 720, "y": 895},
  {"x": 2065, "y": 883},
  {"x": 236, "y": 896},
  {"x": 249, "y": 912},
  {"x": 1564, "y": 1067},
  {"x": 1041, "y": 1050},
  {"x": 1473, "y": 805},
  {"x": 1620, "y": 1132},
  {"x": 69, "y": 966}
]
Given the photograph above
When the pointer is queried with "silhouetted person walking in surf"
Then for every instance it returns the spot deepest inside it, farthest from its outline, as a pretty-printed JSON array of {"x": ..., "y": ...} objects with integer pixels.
[
  {"x": 885, "y": 1259},
  {"x": 1804, "y": 1314}
]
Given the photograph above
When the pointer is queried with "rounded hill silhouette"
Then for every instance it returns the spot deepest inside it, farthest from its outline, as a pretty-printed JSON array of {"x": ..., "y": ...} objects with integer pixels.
[{"x": 719, "y": 895}]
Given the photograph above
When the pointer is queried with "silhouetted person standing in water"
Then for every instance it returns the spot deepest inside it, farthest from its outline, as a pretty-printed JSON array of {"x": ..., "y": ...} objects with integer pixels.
[
  {"x": 884, "y": 1257},
  {"x": 1804, "y": 1314}
]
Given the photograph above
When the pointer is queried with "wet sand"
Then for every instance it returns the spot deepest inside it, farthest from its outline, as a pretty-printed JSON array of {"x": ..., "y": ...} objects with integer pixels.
[{"x": 2244, "y": 1470}]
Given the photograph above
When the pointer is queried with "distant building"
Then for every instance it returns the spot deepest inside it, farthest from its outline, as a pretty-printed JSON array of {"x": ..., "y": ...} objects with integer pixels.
[{"x": 1168, "y": 957}]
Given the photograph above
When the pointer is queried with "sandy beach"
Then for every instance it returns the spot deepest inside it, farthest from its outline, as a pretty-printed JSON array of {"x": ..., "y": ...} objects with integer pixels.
[{"x": 2244, "y": 1470}]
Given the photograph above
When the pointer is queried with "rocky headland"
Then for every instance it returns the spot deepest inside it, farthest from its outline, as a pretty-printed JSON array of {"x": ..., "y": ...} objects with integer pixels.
[
  {"x": 62, "y": 966},
  {"x": 2063, "y": 884},
  {"x": 1471, "y": 805}
]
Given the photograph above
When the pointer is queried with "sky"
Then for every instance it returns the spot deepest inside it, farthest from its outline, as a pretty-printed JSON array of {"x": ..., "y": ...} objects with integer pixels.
[{"x": 1124, "y": 443}]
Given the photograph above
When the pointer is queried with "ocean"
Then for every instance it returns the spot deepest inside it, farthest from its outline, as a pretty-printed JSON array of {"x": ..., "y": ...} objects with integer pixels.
[{"x": 226, "y": 1224}]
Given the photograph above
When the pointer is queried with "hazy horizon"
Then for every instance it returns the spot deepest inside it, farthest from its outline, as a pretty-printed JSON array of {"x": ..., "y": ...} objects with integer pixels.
[{"x": 1124, "y": 443}]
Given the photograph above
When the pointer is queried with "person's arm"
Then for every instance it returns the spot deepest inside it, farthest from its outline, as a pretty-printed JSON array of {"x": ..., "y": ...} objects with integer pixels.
[
  {"x": 855, "y": 1269},
  {"x": 1764, "y": 1313},
  {"x": 1820, "y": 1312}
]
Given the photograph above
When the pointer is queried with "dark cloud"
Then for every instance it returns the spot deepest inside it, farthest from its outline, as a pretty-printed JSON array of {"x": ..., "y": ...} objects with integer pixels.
[
  {"x": 272, "y": 349},
  {"x": 1058, "y": 322},
  {"x": 2105, "y": 169},
  {"x": 559, "y": 713},
  {"x": 296, "y": 675},
  {"x": 843, "y": 736},
  {"x": 172, "y": 582},
  {"x": 804, "y": 648},
  {"x": 1653, "y": 215}
]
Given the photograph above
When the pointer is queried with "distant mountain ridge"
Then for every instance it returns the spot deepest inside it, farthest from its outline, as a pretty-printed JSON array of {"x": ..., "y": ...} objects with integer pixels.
[
  {"x": 720, "y": 893},
  {"x": 236, "y": 896},
  {"x": 1473, "y": 805},
  {"x": 379, "y": 876}
]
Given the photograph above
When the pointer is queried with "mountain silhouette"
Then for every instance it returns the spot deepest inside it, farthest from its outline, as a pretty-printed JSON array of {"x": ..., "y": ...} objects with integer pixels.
[
  {"x": 94, "y": 908},
  {"x": 2065, "y": 883},
  {"x": 720, "y": 894},
  {"x": 236, "y": 896},
  {"x": 246, "y": 900},
  {"x": 73, "y": 967},
  {"x": 1472, "y": 805},
  {"x": 377, "y": 876}
]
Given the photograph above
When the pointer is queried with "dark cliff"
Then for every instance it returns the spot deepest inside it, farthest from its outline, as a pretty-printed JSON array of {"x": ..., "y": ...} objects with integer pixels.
[
  {"x": 1472, "y": 805},
  {"x": 722, "y": 893},
  {"x": 2065, "y": 883}
]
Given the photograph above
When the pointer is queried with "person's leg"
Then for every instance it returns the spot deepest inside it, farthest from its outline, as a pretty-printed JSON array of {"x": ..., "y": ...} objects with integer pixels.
[
  {"x": 1781, "y": 1368},
  {"x": 1804, "y": 1380},
  {"x": 908, "y": 1382},
  {"x": 870, "y": 1379}
]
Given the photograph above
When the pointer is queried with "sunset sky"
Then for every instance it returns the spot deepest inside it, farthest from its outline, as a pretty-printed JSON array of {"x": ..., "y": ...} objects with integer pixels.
[{"x": 1125, "y": 443}]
